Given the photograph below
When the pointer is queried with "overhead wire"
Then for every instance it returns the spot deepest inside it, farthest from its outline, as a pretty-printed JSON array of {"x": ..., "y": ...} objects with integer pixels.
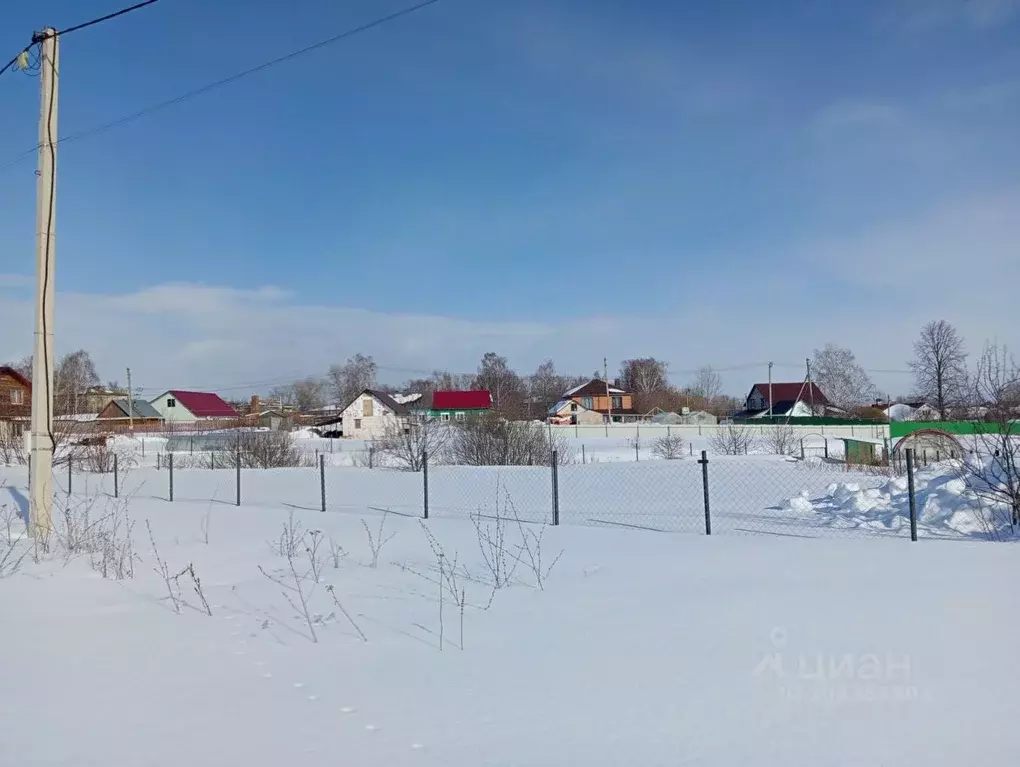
[{"x": 222, "y": 81}]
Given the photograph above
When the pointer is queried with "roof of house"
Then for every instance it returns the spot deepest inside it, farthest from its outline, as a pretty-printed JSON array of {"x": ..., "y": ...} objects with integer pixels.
[
  {"x": 791, "y": 392},
  {"x": 564, "y": 404},
  {"x": 140, "y": 407},
  {"x": 204, "y": 404},
  {"x": 594, "y": 388},
  {"x": 9, "y": 371},
  {"x": 398, "y": 408},
  {"x": 461, "y": 400}
]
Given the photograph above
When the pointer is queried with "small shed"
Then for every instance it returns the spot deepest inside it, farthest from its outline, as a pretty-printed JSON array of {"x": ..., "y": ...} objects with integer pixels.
[{"x": 859, "y": 451}]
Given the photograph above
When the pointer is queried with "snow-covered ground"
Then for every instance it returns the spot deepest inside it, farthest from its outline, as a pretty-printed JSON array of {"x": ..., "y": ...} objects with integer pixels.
[{"x": 636, "y": 648}]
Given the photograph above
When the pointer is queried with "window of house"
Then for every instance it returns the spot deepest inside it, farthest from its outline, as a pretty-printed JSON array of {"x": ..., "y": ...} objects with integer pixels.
[
  {"x": 17, "y": 397},
  {"x": 366, "y": 408},
  {"x": 459, "y": 416},
  {"x": 587, "y": 402},
  {"x": 444, "y": 417},
  {"x": 617, "y": 403},
  {"x": 171, "y": 402},
  {"x": 573, "y": 407},
  {"x": 357, "y": 423}
]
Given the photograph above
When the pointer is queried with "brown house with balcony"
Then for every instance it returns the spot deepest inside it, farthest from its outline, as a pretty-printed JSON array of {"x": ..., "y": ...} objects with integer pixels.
[
  {"x": 15, "y": 399},
  {"x": 598, "y": 397}
]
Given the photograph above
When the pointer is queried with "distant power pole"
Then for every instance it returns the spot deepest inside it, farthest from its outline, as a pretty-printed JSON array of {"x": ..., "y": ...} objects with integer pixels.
[
  {"x": 609, "y": 400},
  {"x": 810, "y": 388},
  {"x": 770, "y": 390},
  {"x": 131, "y": 404},
  {"x": 41, "y": 479}
]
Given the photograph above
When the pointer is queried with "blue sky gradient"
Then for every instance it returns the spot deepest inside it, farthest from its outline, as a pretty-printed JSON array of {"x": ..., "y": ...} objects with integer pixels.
[{"x": 715, "y": 183}]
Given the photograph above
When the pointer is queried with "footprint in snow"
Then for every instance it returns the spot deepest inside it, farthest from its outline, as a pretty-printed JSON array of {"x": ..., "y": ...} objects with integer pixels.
[{"x": 347, "y": 710}]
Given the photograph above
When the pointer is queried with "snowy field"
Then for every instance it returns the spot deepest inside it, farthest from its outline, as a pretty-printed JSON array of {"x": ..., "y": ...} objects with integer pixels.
[{"x": 622, "y": 647}]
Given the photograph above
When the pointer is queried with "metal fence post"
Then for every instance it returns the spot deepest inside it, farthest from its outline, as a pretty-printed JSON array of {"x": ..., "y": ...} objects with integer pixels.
[
  {"x": 704, "y": 482},
  {"x": 322, "y": 480},
  {"x": 116, "y": 478},
  {"x": 238, "y": 503},
  {"x": 556, "y": 487},
  {"x": 158, "y": 461},
  {"x": 802, "y": 448},
  {"x": 212, "y": 460},
  {"x": 70, "y": 474},
  {"x": 584, "y": 458},
  {"x": 826, "y": 448},
  {"x": 637, "y": 449},
  {"x": 170, "y": 466},
  {"x": 371, "y": 457},
  {"x": 425, "y": 482},
  {"x": 910, "y": 493}
]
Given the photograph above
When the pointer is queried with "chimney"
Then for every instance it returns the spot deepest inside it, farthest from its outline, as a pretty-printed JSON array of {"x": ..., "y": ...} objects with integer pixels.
[{"x": 255, "y": 405}]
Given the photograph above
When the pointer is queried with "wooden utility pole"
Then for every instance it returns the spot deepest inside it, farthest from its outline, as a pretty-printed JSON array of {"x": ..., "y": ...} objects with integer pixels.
[
  {"x": 770, "y": 390},
  {"x": 41, "y": 476}
]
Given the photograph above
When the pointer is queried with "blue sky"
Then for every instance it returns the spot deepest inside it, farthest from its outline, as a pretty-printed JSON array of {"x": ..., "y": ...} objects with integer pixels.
[{"x": 723, "y": 183}]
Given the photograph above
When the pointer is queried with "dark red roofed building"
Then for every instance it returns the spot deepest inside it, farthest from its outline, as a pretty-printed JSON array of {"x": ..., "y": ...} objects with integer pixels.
[
  {"x": 795, "y": 399},
  {"x": 177, "y": 406},
  {"x": 458, "y": 405}
]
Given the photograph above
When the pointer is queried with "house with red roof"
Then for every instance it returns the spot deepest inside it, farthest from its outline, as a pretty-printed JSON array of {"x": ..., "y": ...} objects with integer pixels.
[
  {"x": 459, "y": 405},
  {"x": 189, "y": 407},
  {"x": 797, "y": 400}
]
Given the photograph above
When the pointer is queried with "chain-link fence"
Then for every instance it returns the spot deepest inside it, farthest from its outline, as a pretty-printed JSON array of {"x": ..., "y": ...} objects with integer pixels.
[{"x": 718, "y": 495}]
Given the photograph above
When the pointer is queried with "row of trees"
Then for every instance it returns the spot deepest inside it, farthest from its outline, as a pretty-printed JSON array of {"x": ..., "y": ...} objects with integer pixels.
[{"x": 513, "y": 394}]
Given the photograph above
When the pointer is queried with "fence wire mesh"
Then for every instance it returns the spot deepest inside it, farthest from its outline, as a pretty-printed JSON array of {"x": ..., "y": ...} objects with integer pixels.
[{"x": 807, "y": 497}]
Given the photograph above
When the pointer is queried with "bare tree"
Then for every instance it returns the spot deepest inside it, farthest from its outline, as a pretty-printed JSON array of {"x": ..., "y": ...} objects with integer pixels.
[
  {"x": 670, "y": 447},
  {"x": 75, "y": 373},
  {"x": 306, "y": 394},
  {"x": 545, "y": 387},
  {"x": 780, "y": 439},
  {"x": 643, "y": 376},
  {"x": 353, "y": 377},
  {"x": 407, "y": 442},
  {"x": 844, "y": 383},
  {"x": 23, "y": 366},
  {"x": 707, "y": 383},
  {"x": 733, "y": 440},
  {"x": 499, "y": 379},
  {"x": 993, "y": 471},
  {"x": 494, "y": 441},
  {"x": 940, "y": 366}
]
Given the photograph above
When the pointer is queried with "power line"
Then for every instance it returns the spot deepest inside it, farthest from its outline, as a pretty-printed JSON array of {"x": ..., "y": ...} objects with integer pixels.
[
  {"x": 222, "y": 82},
  {"x": 107, "y": 17},
  {"x": 36, "y": 39}
]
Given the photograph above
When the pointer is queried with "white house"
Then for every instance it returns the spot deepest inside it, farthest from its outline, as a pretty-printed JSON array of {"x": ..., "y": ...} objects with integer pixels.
[
  {"x": 188, "y": 407},
  {"x": 371, "y": 415}
]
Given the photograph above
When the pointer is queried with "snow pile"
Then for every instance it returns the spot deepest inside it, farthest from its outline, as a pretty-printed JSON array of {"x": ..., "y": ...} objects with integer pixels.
[{"x": 946, "y": 507}]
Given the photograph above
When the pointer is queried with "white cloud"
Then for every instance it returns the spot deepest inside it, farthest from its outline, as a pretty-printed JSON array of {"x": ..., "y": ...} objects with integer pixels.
[{"x": 959, "y": 260}]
